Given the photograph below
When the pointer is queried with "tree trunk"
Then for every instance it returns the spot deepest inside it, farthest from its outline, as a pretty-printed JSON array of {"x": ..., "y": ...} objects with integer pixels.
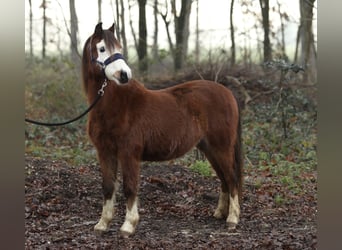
[
  {"x": 31, "y": 27},
  {"x": 167, "y": 24},
  {"x": 155, "y": 33},
  {"x": 142, "y": 45},
  {"x": 73, "y": 32},
  {"x": 297, "y": 43},
  {"x": 44, "y": 29},
  {"x": 264, "y": 4},
  {"x": 308, "y": 57},
  {"x": 123, "y": 30},
  {"x": 117, "y": 20},
  {"x": 131, "y": 26},
  {"x": 282, "y": 26},
  {"x": 99, "y": 7},
  {"x": 197, "y": 50},
  {"x": 232, "y": 35},
  {"x": 181, "y": 31}
]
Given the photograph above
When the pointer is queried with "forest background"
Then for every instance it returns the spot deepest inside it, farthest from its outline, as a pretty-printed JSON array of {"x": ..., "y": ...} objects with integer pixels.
[{"x": 265, "y": 51}]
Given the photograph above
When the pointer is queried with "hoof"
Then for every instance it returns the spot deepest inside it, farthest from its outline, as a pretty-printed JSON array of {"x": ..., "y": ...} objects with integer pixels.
[
  {"x": 219, "y": 214},
  {"x": 231, "y": 225},
  {"x": 100, "y": 228},
  {"x": 125, "y": 234},
  {"x": 127, "y": 229}
]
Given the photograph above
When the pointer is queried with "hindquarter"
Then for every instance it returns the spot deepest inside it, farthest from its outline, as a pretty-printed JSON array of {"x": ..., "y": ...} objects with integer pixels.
[{"x": 220, "y": 114}]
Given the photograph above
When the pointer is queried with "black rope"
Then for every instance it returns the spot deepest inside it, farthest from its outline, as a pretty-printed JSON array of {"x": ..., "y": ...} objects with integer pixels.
[{"x": 66, "y": 122}]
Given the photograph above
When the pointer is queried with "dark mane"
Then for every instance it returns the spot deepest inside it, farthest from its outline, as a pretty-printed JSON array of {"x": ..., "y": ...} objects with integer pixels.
[{"x": 85, "y": 64}]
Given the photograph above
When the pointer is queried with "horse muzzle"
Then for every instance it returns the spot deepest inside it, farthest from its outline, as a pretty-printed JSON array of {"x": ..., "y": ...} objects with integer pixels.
[{"x": 123, "y": 77}]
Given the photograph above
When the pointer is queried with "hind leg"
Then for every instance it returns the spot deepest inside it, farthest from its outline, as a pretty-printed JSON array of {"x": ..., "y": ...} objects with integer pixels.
[
  {"x": 228, "y": 203},
  {"x": 223, "y": 203},
  {"x": 109, "y": 187},
  {"x": 231, "y": 179}
]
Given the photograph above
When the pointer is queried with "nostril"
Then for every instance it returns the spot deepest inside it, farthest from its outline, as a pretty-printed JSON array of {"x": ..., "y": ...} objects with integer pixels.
[{"x": 123, "y": 77}]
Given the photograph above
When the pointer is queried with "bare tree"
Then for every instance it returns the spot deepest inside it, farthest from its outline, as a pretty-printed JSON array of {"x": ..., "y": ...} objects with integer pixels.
[
  {"x": 131, "y": 26},
  {"x": 264, "y": 4},
  {"x": 123, "y": 30},
  {"x": 142, "y": 45},
  {"x": 167, "y": 22},
  {"x": 117, "y": 20},
  {"x": 181, "y": 21},
  {"x": 232, "y": 35},
  {"x": 30, "y": 35},
  {"x": 43, "y": 5},
  {"x": 282, "y": 16},
  {"x": 155, "y": 33},
  {"x": 181, "y": 31},
  {"x": 308, "y": 52},
  {"x": 73, "y": 32},
  {"x": 197, "y": 50},
  {"x": 99, "y": 8}
]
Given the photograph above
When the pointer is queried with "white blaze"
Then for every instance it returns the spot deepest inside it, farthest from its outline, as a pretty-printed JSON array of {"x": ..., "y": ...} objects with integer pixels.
[{"x": 113, "y": 69}]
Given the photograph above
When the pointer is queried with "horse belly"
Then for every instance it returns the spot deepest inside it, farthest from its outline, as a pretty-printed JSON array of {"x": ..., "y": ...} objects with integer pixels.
[
  {"x": 163, "y": 149},
  {"x": 164, "y": 154}
]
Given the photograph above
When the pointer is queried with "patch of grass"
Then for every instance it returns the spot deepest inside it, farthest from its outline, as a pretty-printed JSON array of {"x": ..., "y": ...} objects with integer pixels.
[
  {"x": 201, "y": 167},
  {"x": 279, "y": 200}
]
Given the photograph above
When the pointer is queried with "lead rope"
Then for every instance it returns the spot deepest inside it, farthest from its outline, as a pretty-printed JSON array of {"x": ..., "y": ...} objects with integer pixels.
[{"x": 100, "y": 93}]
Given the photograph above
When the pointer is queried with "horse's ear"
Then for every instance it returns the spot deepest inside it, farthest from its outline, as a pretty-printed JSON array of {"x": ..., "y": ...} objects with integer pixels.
[
  {"x": 98, "y": 29},
  {"x": 112, "y": 28}
]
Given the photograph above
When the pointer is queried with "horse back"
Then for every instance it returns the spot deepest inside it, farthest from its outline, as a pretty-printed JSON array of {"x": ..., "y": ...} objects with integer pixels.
[{"x": 206, "y": 98}]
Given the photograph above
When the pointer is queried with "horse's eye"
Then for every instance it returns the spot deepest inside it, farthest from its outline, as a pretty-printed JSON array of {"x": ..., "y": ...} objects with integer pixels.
[{"x": 102, "y": 49}]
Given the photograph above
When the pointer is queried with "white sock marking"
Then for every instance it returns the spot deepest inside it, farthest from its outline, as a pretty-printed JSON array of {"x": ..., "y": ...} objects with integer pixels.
[
  {"x": 107, "y": 212},
  {"x": 131, "y": 220},
  {"x": 222, "y": 207},
  {"x": 234, "y": 210}
]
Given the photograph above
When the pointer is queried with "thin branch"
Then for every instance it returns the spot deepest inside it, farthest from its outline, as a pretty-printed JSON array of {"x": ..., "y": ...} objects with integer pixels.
[{"x": 68, "y": 31}]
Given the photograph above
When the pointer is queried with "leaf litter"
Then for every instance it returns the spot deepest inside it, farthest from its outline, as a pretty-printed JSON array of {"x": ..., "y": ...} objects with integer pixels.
[{"x": 63, "y": 203}]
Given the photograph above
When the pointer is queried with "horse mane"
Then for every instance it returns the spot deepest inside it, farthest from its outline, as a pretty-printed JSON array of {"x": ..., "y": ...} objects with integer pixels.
[{"x": 85, "y": 65}]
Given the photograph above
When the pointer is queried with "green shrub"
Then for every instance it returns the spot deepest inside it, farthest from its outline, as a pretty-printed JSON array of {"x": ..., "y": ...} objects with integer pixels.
[{"x": 201, "y": 167}]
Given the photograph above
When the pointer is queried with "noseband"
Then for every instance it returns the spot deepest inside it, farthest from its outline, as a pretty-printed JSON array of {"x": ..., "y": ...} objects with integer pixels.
[{"x": 109, "y": 60}]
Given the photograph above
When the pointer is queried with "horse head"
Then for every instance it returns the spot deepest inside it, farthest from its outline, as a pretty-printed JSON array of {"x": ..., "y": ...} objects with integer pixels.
[{"x": 105, "y": 51}]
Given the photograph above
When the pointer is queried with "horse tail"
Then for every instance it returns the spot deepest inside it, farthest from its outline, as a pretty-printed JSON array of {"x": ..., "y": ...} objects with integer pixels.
[{"x": 238, "y": 159}]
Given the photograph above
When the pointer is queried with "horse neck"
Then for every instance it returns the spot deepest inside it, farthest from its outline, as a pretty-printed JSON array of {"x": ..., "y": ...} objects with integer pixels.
[{"x": 92, "y": 84}]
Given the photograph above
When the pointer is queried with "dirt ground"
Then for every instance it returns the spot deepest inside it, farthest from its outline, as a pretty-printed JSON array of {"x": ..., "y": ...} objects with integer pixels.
[{"x": 63, "y": 203}]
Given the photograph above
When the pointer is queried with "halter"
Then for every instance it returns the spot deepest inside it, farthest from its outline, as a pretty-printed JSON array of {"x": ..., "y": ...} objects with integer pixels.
[{"x": 109, "y": 60}]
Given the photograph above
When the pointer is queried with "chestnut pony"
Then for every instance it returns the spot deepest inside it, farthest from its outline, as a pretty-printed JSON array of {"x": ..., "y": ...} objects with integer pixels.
[{"x": 130, "y": 124}]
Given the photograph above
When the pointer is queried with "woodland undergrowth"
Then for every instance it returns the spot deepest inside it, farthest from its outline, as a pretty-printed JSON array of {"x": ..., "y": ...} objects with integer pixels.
[{"x": 279, "y": 121}]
